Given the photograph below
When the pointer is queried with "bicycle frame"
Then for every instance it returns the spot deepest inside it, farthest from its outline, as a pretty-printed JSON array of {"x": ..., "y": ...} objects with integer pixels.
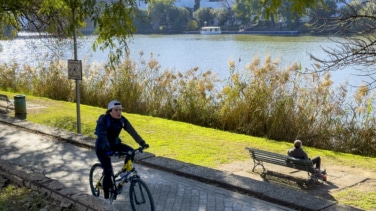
[
  {"x": 139, "y": 193},
  {"x": 128, "y": 167}
]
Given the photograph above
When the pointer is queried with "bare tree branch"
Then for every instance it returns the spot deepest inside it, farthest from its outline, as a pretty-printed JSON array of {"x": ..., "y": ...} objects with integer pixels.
[{"x": 353, "y": 32}]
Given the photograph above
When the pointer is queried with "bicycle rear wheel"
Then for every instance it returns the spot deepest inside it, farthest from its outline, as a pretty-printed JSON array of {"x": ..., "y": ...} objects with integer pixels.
[
  {"x": 140, "y": 195},
  {"x": 95, "y": 179}
]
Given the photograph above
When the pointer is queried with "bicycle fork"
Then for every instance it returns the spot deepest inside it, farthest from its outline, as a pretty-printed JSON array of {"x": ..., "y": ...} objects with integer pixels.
[{"x": 138, "y": 193}]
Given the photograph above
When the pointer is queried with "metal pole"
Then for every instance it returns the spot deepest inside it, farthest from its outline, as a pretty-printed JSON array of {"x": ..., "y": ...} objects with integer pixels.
[{"x": 77, "y": 81}]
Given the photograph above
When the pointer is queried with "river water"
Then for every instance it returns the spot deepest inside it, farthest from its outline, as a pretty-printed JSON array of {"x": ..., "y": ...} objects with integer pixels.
[{"x": 186, "y": 51}]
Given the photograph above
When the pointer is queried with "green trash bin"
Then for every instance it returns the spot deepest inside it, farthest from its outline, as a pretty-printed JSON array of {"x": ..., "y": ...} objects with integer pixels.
[{"x": 20, "y": 104}]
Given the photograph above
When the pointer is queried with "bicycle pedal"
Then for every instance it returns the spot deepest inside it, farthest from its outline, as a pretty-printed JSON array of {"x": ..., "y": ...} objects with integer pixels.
[{"x": 119, "y": 188}]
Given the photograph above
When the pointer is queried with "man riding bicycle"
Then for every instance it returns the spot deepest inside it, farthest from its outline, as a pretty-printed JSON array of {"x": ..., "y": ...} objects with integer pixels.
[{"x": 108, "y": 128}]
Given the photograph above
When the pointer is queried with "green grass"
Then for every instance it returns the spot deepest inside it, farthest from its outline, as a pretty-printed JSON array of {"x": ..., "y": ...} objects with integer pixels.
[
  {"x": 13, "y": 197},
  {"x": 189, "y": 143},
  {"x": 177, "y": 140},
  {"x": 366, "y": 200}
]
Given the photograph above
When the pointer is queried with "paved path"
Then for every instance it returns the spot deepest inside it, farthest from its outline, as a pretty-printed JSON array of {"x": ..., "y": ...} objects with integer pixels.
[{"x": 71, "y": 164}]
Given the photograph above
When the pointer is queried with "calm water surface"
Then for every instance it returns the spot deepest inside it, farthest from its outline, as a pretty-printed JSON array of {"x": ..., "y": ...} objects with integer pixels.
[{"x": 183, "y": 52}]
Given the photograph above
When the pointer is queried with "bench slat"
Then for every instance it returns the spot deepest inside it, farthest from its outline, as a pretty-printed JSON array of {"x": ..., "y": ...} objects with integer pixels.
[
  {"x": 260, "y": 156},
  {"x": 6, "y": 99}
]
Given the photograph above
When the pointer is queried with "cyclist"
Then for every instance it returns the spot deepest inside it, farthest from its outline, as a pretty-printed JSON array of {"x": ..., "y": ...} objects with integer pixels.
[{"x": 108, "y": 128}]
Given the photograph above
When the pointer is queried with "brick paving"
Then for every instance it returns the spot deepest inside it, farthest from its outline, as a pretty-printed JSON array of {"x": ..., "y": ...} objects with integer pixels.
[{"x": 70, "y": 165}]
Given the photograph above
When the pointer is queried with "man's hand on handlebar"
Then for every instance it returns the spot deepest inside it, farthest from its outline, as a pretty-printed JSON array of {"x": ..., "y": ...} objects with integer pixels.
[{"x": 143, "y": 145}]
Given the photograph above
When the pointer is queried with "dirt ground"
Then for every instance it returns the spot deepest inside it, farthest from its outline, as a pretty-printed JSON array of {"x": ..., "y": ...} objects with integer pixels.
[
  {"x": 340, "y": 179},
  {"x": 13, "y": 197}
]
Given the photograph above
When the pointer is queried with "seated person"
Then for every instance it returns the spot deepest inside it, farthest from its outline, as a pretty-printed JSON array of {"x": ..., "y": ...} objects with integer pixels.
[{"x": 298, "y": 152}]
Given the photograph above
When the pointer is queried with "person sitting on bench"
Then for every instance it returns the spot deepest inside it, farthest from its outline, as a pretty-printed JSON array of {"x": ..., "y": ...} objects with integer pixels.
[{"x": 298, "y": 152}]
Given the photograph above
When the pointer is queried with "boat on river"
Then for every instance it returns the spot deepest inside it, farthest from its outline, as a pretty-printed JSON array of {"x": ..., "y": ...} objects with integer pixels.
[{"x": 211, "y": 30}]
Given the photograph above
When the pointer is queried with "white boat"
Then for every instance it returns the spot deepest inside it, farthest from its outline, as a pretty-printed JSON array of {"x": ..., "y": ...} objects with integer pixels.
[{"x": 211, "y": 30}]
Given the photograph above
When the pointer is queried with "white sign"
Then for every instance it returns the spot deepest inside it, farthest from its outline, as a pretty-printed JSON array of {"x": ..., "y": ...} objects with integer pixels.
[{"x": 75, "y": 69}]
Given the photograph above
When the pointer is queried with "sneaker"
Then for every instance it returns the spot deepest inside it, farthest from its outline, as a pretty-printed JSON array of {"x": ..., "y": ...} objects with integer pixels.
[
  {"x": 324, "y": 172},
  {"x": 113, "y": 194}
]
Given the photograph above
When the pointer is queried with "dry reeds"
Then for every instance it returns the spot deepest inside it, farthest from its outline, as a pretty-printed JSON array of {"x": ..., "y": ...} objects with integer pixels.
[{"x": 259, "y": 99}]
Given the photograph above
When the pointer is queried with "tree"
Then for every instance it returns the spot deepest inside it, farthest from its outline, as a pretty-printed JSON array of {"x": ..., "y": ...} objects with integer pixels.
[
  {"x": 222, "y": 14},
  {"x": 142, "y": 22},
  {"x": 112, "y": 19},
  {"x": 246, "y": 9},
  {"x": 191, "y": 25},
  {"x": 182, "y": 20},
  {"x": 289, "y": 17},
  {"x": 196, "y": 6},
  {"x": 328, "y": 12},
  {"x": 300, "y": 7},
  {"x": 356, "y": 24},
  {"x": 204, "y": 15},
  {"x": 160, "y": 11},
  {"x": 268, "y": 9},
  {"x": 49, "y": 16}
]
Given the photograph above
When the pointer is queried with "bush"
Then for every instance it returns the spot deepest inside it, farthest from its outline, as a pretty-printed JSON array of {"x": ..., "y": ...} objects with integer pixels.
[
  {"x": 260, "y": 100},
  {"x": 192, "y": 25}
]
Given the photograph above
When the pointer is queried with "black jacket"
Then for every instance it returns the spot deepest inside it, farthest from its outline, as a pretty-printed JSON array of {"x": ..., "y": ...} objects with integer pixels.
[{"x": 108, "y": 130}]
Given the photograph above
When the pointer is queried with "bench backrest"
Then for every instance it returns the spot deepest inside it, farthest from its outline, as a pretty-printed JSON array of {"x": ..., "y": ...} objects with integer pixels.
[
  {"x": 269, "y": 157},
  {"x": 4, "y": 97},
  {"x": 278, "y": 159},
  {"x": 300, "y": 164}
]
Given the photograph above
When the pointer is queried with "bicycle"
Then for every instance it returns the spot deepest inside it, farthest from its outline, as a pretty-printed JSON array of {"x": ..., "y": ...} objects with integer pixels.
[{"x": 139, "y": 194}]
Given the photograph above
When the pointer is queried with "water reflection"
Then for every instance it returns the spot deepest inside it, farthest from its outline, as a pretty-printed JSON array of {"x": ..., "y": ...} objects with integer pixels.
[{"x": 183, "y": 52}]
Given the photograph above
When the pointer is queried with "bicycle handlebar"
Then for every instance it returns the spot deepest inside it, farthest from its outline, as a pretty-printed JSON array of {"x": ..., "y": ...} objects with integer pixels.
[{"x": 119, "y": 154}]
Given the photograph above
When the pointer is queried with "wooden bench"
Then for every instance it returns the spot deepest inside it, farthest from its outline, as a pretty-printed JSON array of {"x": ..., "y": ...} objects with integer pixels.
[
  {"x": 260, "y": 157},
  {"x": 6, "y": 99}
]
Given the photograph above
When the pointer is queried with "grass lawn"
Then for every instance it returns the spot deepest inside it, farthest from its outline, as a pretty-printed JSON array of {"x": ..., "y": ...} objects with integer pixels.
[{"x": 181, "y": 141}]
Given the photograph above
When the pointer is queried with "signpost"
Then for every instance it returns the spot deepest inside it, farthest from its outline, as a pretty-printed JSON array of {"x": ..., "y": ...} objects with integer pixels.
[
  {"x": 75, "y": 72},
  {"x": 75, "y": 69}
]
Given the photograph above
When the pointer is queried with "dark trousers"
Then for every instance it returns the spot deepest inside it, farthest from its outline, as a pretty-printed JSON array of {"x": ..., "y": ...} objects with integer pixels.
[
  {"x": 317, "y": 162},
  {"x": 107, "y": 166}
]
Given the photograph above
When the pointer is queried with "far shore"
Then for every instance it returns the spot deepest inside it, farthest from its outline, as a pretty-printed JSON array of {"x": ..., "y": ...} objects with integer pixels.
[{"x": 252, "y": 32}]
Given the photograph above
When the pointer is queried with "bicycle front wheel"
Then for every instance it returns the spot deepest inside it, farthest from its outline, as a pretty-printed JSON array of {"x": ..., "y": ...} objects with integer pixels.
[
  {"x": 140, "y": 195},
  {"x": 95, "y": 179}
]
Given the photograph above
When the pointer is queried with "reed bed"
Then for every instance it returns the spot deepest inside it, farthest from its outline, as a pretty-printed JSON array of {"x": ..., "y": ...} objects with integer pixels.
[{"x": 261, "y": 99}]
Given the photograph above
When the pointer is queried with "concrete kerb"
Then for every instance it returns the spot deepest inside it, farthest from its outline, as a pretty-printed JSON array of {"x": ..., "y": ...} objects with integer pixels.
[
  {"x": 262, "y": 190},
  {"x": 52, "y": 188}
]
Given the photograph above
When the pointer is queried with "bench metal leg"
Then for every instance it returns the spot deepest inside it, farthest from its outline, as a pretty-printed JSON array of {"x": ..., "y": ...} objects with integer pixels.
[
  {"x": 312, "y": 176},
  {"x": 7, "y": 108},
  {"x": 10, "y": 103},
  {"x": 258, "y": 163}
]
